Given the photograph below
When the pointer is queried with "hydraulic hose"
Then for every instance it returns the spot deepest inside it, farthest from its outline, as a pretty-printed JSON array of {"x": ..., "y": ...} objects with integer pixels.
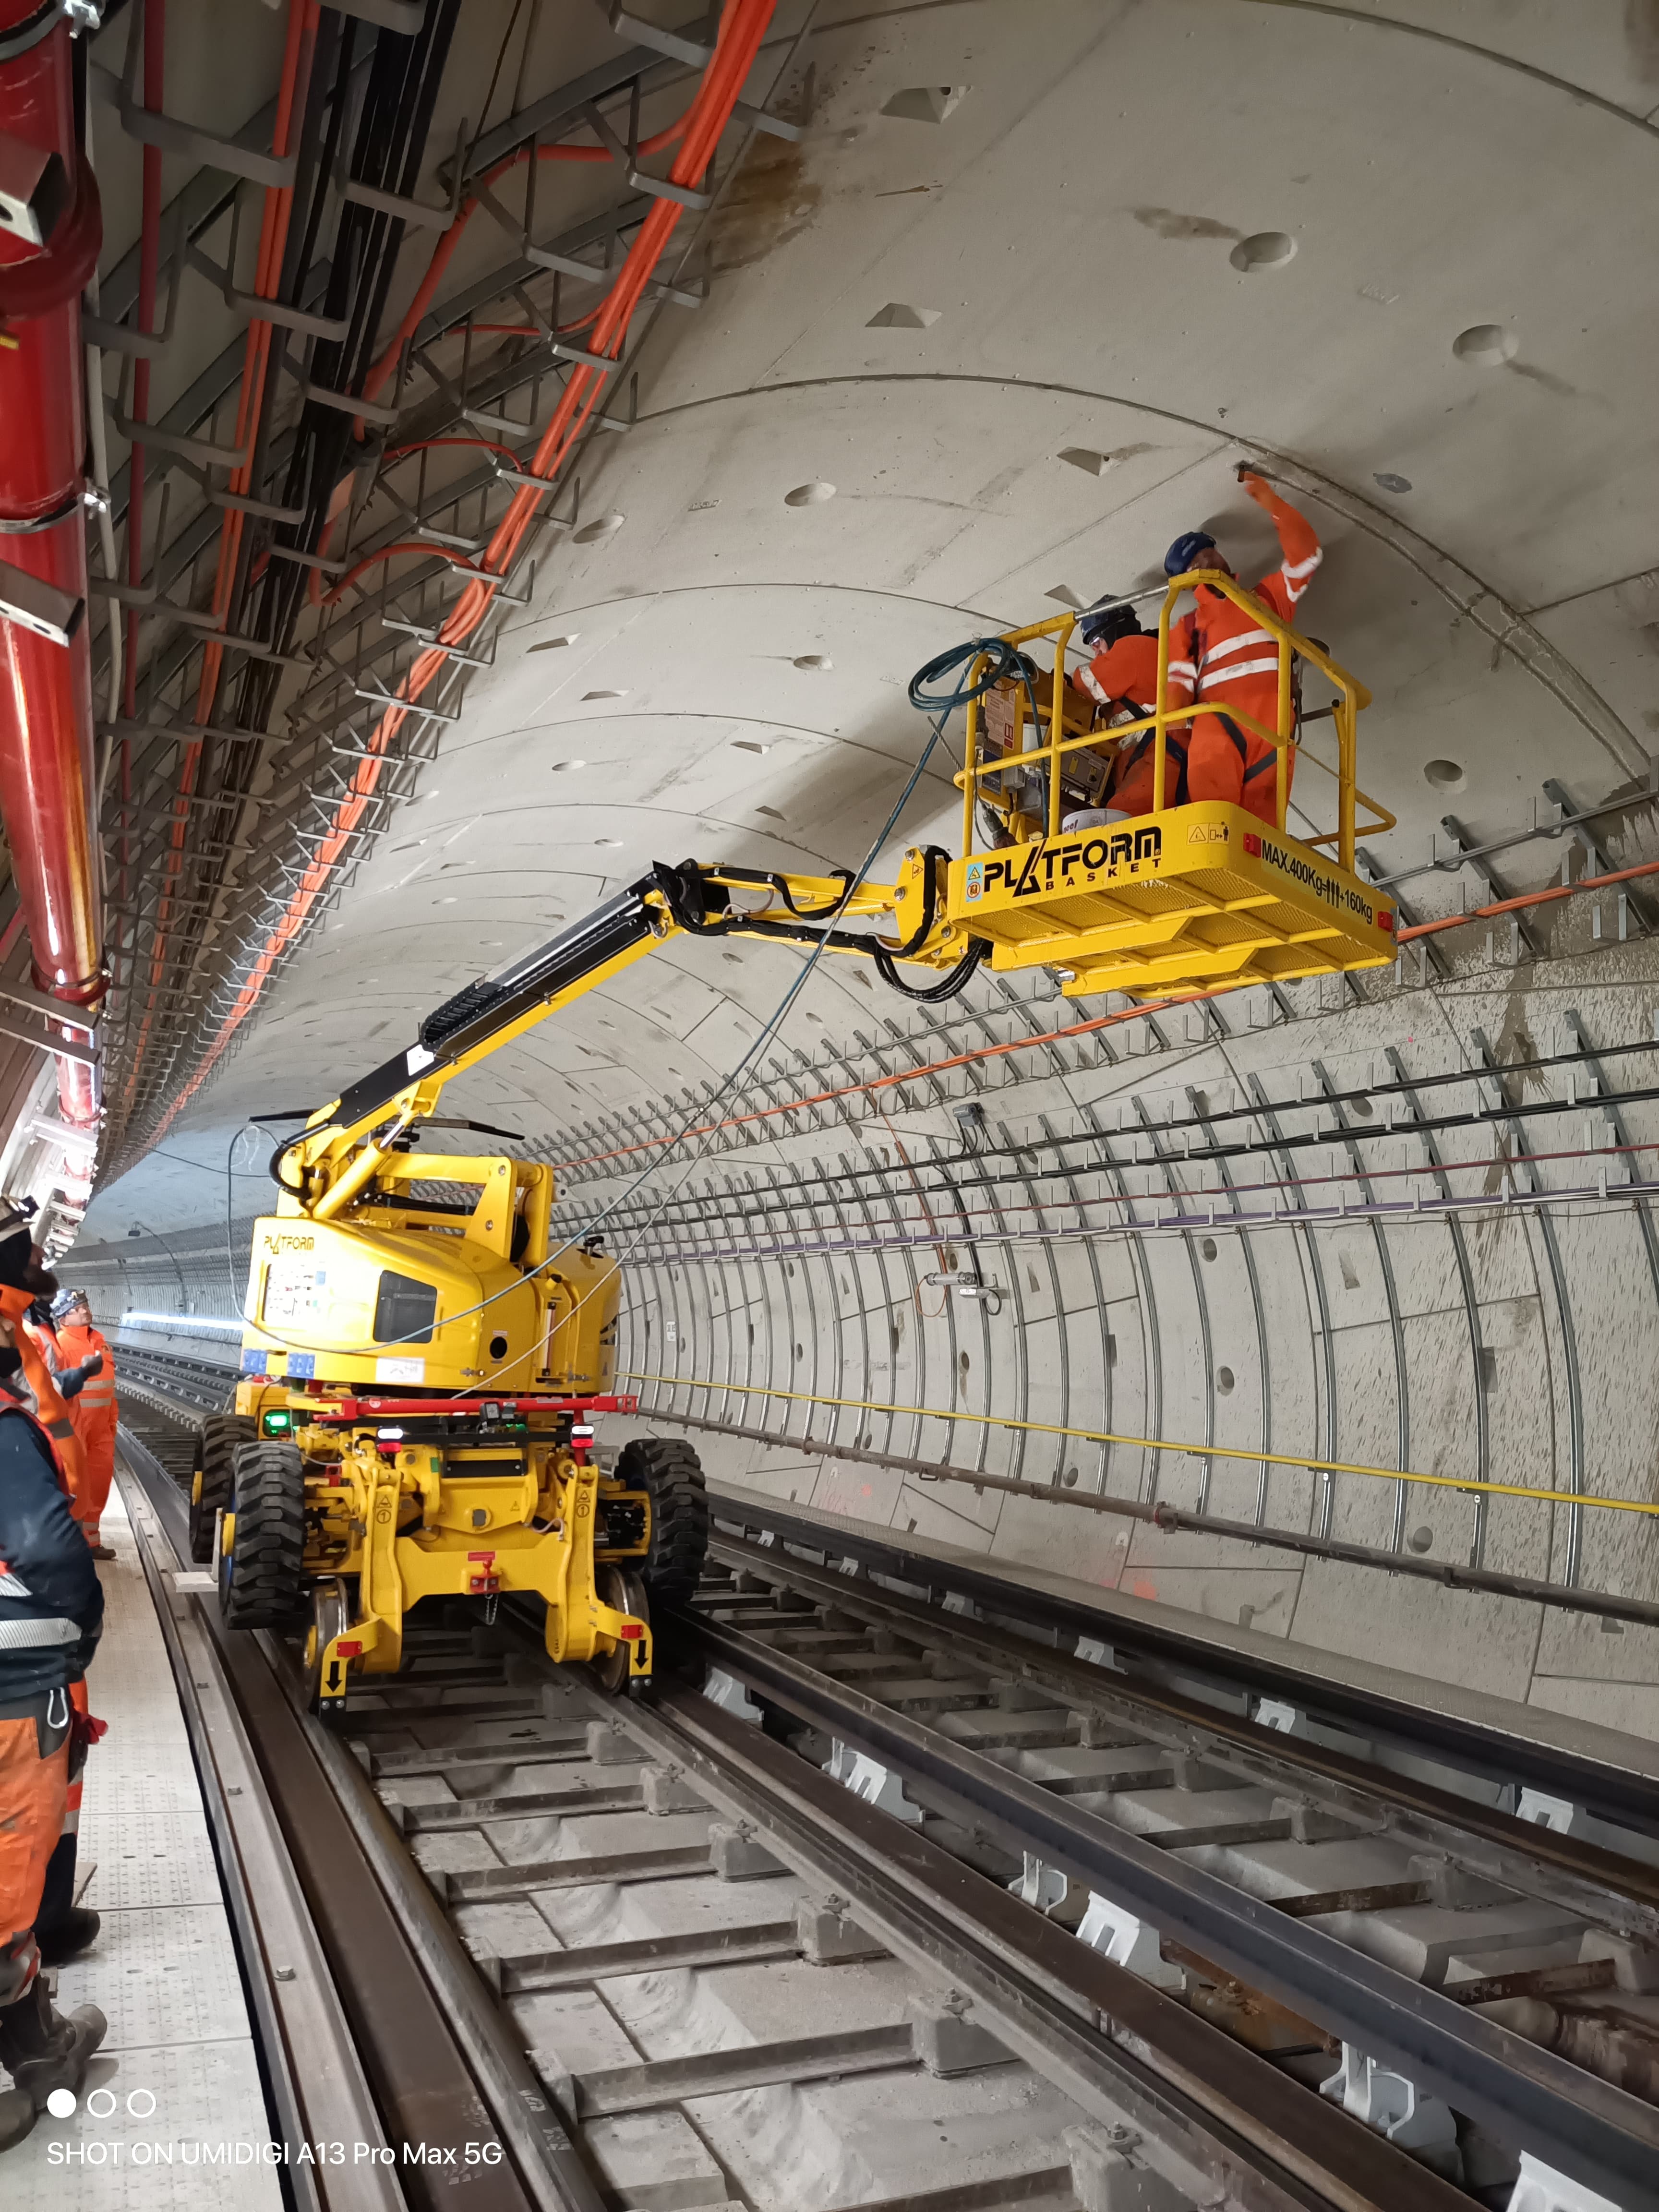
[{"x": 947, "y": 987}]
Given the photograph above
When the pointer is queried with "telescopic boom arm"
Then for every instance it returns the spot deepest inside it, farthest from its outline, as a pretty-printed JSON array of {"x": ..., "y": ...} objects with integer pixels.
[{"x": 345, "y": 1143}]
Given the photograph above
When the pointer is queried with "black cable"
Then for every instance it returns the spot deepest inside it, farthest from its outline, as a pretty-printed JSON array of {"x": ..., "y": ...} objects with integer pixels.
[{"x": 947, "y": 988}]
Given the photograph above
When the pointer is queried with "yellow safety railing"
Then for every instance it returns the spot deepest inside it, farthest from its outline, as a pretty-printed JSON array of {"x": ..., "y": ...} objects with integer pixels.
[{"x": 1351, "y": 695}]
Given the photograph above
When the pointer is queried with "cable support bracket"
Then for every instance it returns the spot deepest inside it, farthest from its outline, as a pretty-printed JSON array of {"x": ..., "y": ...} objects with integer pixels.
[
  {"x": 383, "y": 698},
  {"x": 430, "y": 640},
  {"x": 264, "y": 510},
  {"x": 304, "y": 560},
  {"x": 200, "y": 449},
  {"x": 395, "y": 204},
  {"x": 173, "y": 135}
]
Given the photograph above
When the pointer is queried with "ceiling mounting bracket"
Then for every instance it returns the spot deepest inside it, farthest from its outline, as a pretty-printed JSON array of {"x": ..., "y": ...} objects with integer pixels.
[
  {"x": 407, "y": 211},
  {"x": 301, "y": 320},
  {"x": 173, "y": 135},
  {"x": 403, "y": 16}
]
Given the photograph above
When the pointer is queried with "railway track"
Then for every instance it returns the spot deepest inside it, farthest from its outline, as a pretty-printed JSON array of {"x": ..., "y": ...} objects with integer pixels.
[{"x": 917, "y": 1906}]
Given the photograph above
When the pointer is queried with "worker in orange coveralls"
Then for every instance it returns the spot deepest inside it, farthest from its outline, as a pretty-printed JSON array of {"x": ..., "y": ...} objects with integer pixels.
[
  {"x": 24, "y": 1284},
  {"x": 1219, "y": 653},
  {"x": 1122, "y": 678},
  {"x": 51, "y": 1614},
  {"x": 63, "y": 1928},
  {"x": 92, "y": 1410}
]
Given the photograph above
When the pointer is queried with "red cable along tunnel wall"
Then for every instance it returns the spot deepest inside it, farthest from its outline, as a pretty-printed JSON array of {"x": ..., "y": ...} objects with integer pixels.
[{"x": 46, "y": 757}]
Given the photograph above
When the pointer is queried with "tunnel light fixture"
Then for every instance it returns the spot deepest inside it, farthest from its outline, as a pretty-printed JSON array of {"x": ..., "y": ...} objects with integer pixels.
[
  {"x": 211, "y": 1322},
  {"x": 965, "y": 1284}
]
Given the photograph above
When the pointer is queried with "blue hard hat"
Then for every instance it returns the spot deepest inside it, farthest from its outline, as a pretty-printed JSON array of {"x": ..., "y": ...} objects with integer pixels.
[{"x": 1185, "y": 551}]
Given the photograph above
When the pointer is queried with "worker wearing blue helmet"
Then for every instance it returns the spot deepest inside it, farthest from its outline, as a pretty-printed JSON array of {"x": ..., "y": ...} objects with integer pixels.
[{"x": 1220, "y": 654}]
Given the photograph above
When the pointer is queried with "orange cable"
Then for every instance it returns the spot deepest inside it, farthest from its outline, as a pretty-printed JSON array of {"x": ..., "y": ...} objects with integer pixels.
[{"x": 742, "y": 28}]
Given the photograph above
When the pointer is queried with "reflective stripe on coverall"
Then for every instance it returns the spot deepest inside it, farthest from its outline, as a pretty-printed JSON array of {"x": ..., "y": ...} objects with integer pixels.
[
  {"x": 34, "y": 1735},
  {"x": 1125, "y": 677},
  {"x": 1218, "y": 652},
  {"x": 53, "y": 1413}
]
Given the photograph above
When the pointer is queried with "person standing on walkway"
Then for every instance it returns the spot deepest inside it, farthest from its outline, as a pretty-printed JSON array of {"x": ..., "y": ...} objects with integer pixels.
[
  {"x": 51, "y": 1614},
  {"x": 25, "y": 1281},
  {"x": 92, "y": 1410}
]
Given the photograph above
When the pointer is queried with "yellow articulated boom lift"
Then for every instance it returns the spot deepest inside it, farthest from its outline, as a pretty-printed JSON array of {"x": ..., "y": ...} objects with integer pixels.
[{"x": 423, "y": 1360}]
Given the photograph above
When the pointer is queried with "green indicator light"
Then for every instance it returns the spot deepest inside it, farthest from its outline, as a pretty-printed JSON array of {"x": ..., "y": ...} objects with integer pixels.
[{"x": 277, "y": 1424}]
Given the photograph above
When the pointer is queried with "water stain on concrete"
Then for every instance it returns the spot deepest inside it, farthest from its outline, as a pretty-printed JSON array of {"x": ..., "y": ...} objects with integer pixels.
[
  {"x": 1545, "y": 378},
  {"x": 1169, "y": 224},
  {"x": 770, "y": 201},
  {"x": 1642, "y": 37}
]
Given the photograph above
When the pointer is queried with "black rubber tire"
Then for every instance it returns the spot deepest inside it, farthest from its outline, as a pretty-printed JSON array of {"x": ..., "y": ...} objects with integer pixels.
[
  {"x": 671, "y": 1473},
  {"x": 262, "y": 1579},
  {"x": 216, "y": 1443}
]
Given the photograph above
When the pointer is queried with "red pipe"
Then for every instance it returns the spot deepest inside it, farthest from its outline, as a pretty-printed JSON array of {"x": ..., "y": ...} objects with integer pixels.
[{"x": 46, "y": 757}]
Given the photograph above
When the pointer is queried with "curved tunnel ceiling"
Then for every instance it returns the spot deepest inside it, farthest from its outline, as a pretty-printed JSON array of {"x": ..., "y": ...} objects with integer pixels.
[
  {"x": 1034, "y": 280},
  {"x": 1051, "y": 270}
]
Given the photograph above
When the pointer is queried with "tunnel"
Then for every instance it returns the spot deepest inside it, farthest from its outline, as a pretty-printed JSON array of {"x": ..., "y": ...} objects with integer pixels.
[{"x": 1046, "y": 1447}]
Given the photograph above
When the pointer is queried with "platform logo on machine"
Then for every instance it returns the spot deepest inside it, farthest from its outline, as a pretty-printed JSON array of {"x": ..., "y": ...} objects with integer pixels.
[{"x": 1040, "y": 870}]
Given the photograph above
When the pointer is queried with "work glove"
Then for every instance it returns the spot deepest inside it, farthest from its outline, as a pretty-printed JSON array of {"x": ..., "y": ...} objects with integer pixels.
[
  {"x": 1260, "y": 489},
  {"x": 73, "y": 1380}
]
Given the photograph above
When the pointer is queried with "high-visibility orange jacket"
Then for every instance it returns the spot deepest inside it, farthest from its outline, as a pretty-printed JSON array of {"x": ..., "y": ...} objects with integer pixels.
[
  {"x": 54, "y": 1415},
  {"x": 1124, "y": 680},
  {"x": 1218, "y": 652},
  {"x": 97, "y": 1394},
  {"x": 93, "y": 1412}
]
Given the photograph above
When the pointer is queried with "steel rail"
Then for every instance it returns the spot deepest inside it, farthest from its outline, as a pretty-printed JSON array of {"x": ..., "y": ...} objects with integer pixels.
[
  {"x": 1453, "y": 1734},
  {"x": 316, "y": 2083},
  {"x": 1028, "y": 1938},
  {"x": 553, "y": 2172},
  {"x": 406, "y": 2029},
  {"x": 1216, "y": 2112},
  {"x": 1583, "y": 1877},
  {"x": 1258, "y": 2134},
  {"x": 1524, "y": 2095}
]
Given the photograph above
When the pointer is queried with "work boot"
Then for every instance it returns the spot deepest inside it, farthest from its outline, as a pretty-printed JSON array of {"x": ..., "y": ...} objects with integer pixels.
[
  {"x": 103, "y": 1550},
  {"x": 42, "y": 2050},
  {"x": 72, "y": 1933},
  {"x": 16, "y": 2117}
]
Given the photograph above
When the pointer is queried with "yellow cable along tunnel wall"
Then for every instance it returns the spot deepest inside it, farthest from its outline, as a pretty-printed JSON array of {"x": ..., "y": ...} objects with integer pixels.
[{"x": 1353, "y": 1272}]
